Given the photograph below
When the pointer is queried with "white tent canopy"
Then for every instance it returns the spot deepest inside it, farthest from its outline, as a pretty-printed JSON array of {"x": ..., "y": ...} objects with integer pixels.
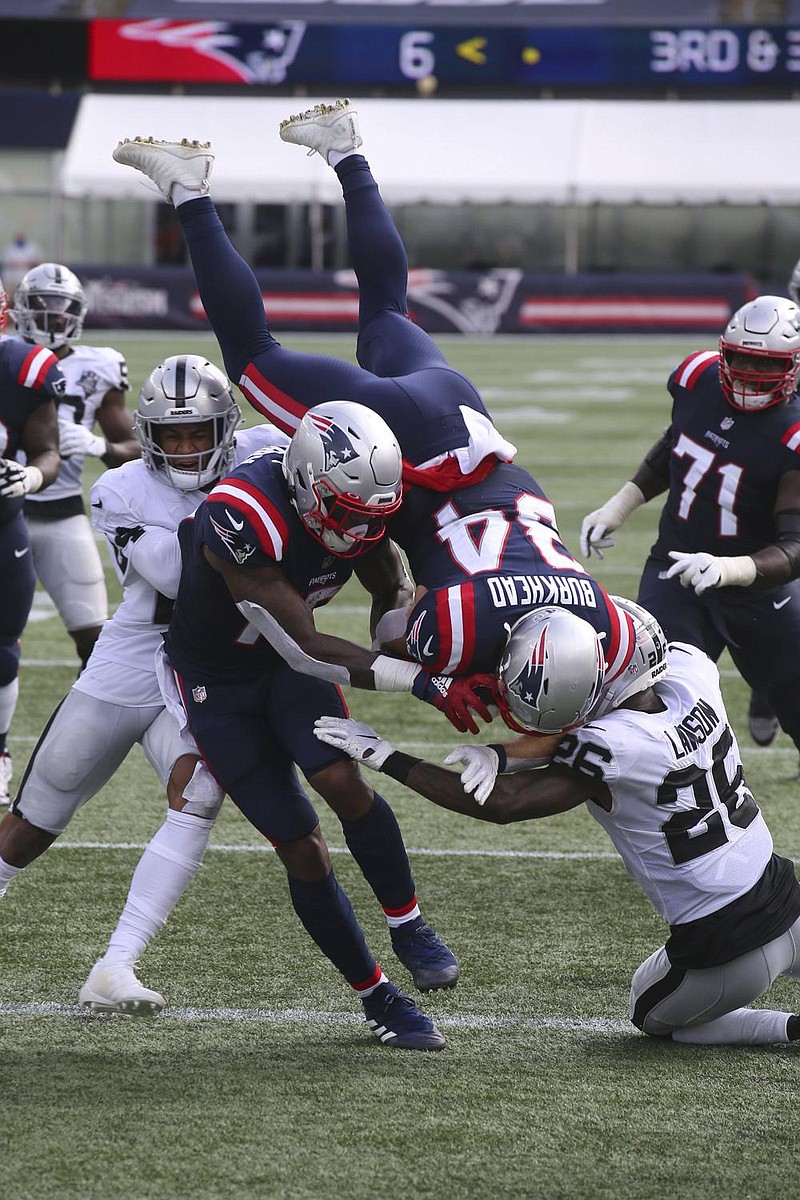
[{"x": 452, "y": 151}]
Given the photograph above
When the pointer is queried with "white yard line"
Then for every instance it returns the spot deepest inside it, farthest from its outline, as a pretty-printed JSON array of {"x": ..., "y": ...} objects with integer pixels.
[
  {"x": 310, "y": 1016},
  {"x": 421, "y": 851}
]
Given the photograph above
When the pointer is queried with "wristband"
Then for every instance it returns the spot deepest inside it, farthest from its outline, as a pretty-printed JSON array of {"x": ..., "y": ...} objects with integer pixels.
[
  {"x": 399, "y": 765},
  {"x": 502, "y": 757},
  {"x": 394, "y": 674},
  {"x": 35, "y": 479}
]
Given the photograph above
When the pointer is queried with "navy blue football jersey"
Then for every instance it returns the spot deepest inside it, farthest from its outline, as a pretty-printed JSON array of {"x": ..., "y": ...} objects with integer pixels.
[
  {"x": 29, "y": 377},
  {"x": 725, "y": 465},
  {"x": 490, "y": 554},
  {"x": 247, "y": 519}
]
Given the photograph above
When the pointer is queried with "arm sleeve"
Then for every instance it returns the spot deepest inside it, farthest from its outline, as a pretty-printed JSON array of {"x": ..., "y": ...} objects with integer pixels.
[{"x": 156, "y": 555}]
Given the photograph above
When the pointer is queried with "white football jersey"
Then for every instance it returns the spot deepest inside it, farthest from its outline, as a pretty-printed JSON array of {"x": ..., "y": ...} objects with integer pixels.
[
  {"x": 90, "y": 372},
  {"x": 121, "y": 668},
  {"x": 682, "y": 817}
]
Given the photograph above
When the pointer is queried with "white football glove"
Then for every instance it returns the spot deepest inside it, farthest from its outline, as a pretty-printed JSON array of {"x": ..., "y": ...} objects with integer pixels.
[
  {"x": 355, "y": 738},
  {"x": 604, "y": 520},
  {"x": 705, "y": 571},
  {"x": 480, "y": 769},
  {"x": 16, "y": 480},
  {"x": 77, "y": 439}
]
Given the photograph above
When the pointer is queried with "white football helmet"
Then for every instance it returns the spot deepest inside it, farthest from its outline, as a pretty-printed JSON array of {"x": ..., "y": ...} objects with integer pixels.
[
  {"x": 187, "y": 390},
  {"x": 49, "y": 306},
  {"x": 551, "y": 672},
  {"x": 344, "y": 471},
  {"x": 648, "y": 662},
  {"x": 760, "y": 354}
]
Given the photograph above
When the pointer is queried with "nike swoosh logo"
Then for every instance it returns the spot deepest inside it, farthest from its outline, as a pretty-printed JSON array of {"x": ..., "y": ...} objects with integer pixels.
[
  {"x": 236, "y": 524},
  {"x": 776, "y": 604},
  {"x": 427, "y": 649},
  {"x": 21, "y": 553}
]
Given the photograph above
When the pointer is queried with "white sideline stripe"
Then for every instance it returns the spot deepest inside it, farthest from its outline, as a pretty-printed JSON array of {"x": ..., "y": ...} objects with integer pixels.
[
  {"x": 306, "y": 1016},
  {"x": 423, "y": 852}
]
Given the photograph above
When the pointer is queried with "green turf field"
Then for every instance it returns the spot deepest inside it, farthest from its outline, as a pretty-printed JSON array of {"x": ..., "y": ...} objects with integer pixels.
[{"x": 261, "y": 1078}]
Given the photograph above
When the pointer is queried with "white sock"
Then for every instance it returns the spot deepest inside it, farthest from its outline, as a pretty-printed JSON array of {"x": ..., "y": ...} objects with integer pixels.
[
  {"x": 337, "y": 156},
  {"x": 742, "y": 1027},
  {"x": 169, "y": 864},
  {"x": 181, "y": 195},
  {"x": 8, "y": 702},
  {"x": 7, "y": 873}
]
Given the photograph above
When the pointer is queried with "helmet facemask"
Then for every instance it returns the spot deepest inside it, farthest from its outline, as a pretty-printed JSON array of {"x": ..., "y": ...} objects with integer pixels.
[
  {"x": 343, "y": 468},
  {"x": 187, "y": 390},
  {"x": 49, "y": 306}
]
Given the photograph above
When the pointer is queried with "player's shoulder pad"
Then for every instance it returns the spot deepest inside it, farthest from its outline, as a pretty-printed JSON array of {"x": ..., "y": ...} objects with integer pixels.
[
  {"x": 237, "y": 508},
  {"x": 694, "y": 368},
  {"x": 108, "y": 363},
  {"x": 32, "y": 366},
  {"x": 128, "y": 494},
  {"x": 259, "y": 437}
]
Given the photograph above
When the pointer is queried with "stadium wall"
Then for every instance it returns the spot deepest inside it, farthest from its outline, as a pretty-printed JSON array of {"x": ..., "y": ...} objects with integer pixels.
[{"x": 468, "y": 302}]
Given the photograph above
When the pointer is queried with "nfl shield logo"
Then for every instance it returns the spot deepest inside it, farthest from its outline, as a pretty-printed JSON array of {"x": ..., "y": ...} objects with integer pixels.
[{"x": 199, "y": 694}]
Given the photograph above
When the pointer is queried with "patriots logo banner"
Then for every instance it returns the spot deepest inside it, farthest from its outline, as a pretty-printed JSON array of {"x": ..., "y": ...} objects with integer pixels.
[
  {"x": 193, "y": 51},
  {"x": 335, "y": 442}
]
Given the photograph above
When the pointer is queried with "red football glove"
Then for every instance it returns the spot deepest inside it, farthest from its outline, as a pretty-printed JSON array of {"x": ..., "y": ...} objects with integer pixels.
[{"x": 458, "y": 698}]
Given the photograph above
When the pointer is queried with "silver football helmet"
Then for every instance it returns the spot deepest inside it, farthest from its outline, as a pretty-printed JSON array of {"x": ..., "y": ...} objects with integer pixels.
[
  {"x": 648, "y": 662},
  {"x": 187, "y": 390},
  {"x": 49, "y": 306},
  {"x": 551, "y": 672},
  {"x": 344, "y": 471},
  {"x": 760, "y": 354}
]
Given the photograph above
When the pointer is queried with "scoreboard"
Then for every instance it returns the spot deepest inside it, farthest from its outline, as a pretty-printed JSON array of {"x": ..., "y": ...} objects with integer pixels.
[{"x": 466, "y": 56}]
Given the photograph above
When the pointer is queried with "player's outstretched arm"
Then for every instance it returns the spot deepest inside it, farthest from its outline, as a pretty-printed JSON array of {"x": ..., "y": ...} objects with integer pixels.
[
  {"x": 519, "y": 797},
  {"x": 280, "y": 614}
]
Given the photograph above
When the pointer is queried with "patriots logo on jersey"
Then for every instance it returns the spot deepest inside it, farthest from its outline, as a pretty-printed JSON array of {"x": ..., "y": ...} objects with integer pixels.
[
  {"x": 239, "y": 548},
  {"x": 335, "y": 442}
]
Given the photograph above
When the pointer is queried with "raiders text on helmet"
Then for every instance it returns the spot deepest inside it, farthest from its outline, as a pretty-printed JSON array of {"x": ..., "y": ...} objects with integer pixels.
[
  {"x": 49, "y": 306},
  {"x": 187, "y": 390},
  {"x": 343, "y": 467},
  {"x": 760, "y": 354},
  {"x": 551, "y": 672},
  {"x": 648, "y": 662}
]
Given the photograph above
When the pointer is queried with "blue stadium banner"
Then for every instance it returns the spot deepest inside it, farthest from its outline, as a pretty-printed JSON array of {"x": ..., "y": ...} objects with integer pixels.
[
  {"x": 468, "y": 55},
  {"x": 501, "y": 300}
]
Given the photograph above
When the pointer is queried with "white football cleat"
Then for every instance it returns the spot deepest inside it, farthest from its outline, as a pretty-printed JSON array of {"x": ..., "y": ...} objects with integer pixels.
[
  {"x": 323, "y": 128},
  {"x": 115, "y": 989},
  {"x": 6, "y": 771},
  {"x": 188, "y": 163}
]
